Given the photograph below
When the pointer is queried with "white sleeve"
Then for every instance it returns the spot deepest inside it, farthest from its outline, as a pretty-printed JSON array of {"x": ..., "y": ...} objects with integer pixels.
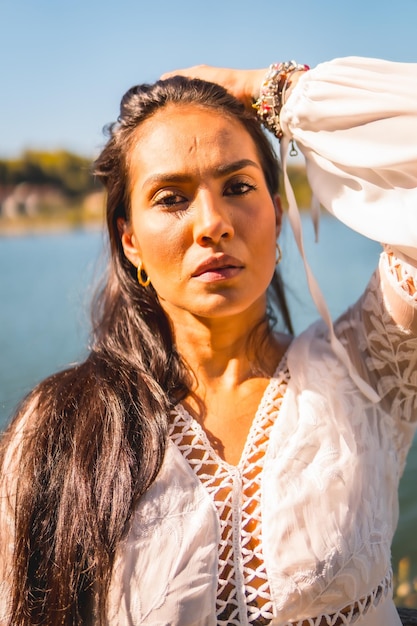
[{"x": 355, "y": 120}]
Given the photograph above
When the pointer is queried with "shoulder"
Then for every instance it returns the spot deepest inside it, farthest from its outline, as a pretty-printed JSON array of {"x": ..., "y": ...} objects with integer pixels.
[{"x": 310, "y": 353}]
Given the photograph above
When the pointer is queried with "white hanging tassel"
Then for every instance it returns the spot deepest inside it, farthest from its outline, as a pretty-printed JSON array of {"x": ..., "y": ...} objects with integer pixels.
[{"x": 316, "y": 293}]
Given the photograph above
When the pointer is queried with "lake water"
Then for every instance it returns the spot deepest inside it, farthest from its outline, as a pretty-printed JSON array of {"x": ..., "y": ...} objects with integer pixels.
[{"x": 45, "y": 290}]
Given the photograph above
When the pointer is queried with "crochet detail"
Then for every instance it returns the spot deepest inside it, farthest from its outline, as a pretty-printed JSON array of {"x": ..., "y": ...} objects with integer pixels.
[{"x": 243, "y": 594}]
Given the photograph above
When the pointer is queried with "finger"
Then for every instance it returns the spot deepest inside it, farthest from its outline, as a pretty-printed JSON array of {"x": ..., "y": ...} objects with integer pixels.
[{"x": 196, "y": 71}]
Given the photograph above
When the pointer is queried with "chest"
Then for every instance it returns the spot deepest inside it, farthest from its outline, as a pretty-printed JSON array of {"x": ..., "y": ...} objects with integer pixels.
[{"x": 225, "y": 423}]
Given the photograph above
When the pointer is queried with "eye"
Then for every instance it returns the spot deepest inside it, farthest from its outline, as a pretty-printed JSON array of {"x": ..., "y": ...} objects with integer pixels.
[
  {"x": 238, "y": 188},
  {"x": 169, "y": 200}
]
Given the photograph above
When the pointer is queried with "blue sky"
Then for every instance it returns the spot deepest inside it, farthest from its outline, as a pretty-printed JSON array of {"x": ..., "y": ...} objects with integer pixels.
[{"x": 65, "y": 64}]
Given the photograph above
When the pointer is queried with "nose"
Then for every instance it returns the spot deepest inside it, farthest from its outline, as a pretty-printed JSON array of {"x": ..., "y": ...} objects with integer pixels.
[{"x": 213, "y": 220}]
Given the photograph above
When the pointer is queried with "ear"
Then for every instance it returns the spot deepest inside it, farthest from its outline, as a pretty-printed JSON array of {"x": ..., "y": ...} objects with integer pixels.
[
  {"x": 129, "y": 241},
  {"x": 278, "y": 212}
]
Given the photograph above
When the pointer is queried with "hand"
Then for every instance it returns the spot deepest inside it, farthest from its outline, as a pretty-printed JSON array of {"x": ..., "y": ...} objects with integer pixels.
[{"x": 243, "y": 84}]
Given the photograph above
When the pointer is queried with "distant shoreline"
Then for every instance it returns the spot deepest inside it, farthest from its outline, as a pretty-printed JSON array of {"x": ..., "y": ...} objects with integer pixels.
[{"x": 29, "y": 227}]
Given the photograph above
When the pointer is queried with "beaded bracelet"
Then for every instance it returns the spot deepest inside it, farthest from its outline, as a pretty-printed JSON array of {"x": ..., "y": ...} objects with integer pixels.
[{"x": 272, "y": 93}]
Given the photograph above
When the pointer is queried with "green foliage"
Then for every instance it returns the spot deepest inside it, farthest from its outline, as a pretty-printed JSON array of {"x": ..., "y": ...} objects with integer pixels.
[
  {"x": 68, "y": 172},
  {"x": 299, "y": 183}
]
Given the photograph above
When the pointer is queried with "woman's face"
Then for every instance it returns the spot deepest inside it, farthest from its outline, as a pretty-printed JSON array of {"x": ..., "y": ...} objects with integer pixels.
[{"x": 203, "y": 223}]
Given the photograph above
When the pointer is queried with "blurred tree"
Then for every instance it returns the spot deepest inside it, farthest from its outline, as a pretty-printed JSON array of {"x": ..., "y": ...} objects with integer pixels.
[
  {"x": 299, "y": 183},
  {"x": 68, "y": 172}
]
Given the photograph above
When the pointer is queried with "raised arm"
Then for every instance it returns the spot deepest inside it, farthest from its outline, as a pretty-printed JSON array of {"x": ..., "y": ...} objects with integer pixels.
[{"x": 355, "y": 121}]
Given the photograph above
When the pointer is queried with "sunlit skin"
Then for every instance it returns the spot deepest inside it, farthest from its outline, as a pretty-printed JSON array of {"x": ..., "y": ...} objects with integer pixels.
[{"x": 204, "y": 226}]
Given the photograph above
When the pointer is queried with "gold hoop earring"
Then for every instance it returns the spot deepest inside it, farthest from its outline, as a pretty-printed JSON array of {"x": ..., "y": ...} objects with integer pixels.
[
  {"x": 278, "y": 255},
  {"x": 144, "y": 282}
]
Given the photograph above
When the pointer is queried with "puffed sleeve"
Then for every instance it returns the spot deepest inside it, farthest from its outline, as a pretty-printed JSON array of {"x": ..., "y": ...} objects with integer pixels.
[{"x": 355, "y": 121}]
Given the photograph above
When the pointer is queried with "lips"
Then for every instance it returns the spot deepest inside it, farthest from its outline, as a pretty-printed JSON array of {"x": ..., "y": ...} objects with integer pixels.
[{"x": 221, "y": 265}]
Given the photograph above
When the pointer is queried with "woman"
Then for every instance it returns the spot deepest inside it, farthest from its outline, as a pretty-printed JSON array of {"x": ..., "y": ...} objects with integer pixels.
[{"x": 201, "y": 467}]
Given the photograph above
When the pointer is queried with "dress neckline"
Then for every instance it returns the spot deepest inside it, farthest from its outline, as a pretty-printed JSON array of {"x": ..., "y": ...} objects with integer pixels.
[{"x": 278, "y": 379}]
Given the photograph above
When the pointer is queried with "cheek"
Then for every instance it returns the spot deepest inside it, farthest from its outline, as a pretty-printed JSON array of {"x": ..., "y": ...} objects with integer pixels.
[
  {"x": 264, "y": 250},
  {"x": 262, "y": 229},
  {"x": 163, "y": 245}
]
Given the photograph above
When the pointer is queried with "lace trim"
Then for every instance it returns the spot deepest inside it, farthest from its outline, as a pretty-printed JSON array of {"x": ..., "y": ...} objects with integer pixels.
[
  {"x": 351, "y": 614},
  {"x": 243, "y": 587},
  {"x": 402, "y": 274}
]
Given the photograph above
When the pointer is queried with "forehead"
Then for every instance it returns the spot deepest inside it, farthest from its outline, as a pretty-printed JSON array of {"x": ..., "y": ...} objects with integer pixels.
[{"x": 190, "y": 137}]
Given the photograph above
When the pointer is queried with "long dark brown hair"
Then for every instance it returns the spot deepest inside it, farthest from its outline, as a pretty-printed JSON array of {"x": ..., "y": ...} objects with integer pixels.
[{"x": 95, "y": 434}]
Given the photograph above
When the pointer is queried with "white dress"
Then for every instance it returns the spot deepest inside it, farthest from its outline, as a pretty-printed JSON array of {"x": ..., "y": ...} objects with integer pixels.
[
  {"x": 338, "y": 431},
  {"x": 329, "y": 478}
]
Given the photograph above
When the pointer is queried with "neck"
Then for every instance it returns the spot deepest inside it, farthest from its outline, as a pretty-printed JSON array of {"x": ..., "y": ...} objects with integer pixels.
[
  {"x": 229, "y": 377},
  {"x": 231, "y": 360},
  {"x": 222, "y": 352}
]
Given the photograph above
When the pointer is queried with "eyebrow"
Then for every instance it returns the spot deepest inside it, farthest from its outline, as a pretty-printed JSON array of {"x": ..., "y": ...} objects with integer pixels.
[
  {"x": 229, "y": 168},
  {"x": 219, "y": 172}
]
